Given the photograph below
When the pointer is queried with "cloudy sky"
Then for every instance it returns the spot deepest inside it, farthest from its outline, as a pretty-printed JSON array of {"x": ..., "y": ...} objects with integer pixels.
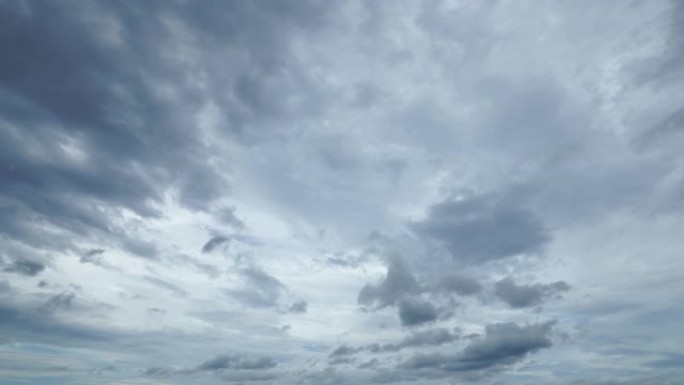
[{"x": 341, "y": 192}]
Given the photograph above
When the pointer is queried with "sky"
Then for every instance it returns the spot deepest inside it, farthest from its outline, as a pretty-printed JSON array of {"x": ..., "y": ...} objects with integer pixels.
[{"x": 341, "y": 192}]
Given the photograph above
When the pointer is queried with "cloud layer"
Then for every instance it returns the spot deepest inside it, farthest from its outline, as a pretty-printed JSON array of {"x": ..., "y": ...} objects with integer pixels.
[{"x": 341, "y": 192}]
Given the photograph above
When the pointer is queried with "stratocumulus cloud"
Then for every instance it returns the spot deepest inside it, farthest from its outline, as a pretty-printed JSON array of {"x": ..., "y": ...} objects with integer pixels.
[{"x": 341, "y": 192}]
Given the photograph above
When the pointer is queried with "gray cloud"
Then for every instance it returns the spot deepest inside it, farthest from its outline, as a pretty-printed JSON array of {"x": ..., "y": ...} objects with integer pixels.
[
  {"x": 503, "y": 344},
  {"x": 398, "y": 283},
  {"x": 261, "y": 289},
  {"x": 133, "y": 127},
  {"x": 24, "y": 267},
  {"x": 61, "y": 301},
  {"x": 344, "y": 350},
  {"x": 459, "y": 284},
  {"x": 299, "y": 307},
  {"x": 214, "y": 242},
  {"x": 91, "y": 107},
  {"x": 413, "y": 312},
  {"x": 432, "y": 337},
  {"x": 93, "y": 256},
  {"x": 480, "y": 229},
  {"x": 237, "y": 362},
  {"x": 518, "y": 296}
]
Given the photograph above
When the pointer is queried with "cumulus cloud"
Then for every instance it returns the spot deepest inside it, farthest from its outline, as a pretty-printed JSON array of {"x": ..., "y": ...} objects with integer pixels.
[
  {"x": 503, "y": 344},
  {"x": 237, "y": 362},
  {"x": 413, "y": 312},
  {"x": 518, "y": 296},
  {"x": 398, "y": 283},
  {"x": 479, "y": 229}
]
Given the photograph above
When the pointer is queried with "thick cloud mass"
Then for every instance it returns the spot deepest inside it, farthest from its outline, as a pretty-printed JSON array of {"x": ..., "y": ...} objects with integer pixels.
[
  {"x": 24, "y": 267},
  {"x": 503, "y": 344},
  {"x": 398, "y": 283},
  {"x": 414, "y": 312},
  {"x": 482, "y": 229},
  {"x": 341, "y": 192}
]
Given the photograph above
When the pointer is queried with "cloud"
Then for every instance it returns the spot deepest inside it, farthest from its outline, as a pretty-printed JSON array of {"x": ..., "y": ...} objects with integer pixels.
[
  {"x": 214, "y": 242},
  {"x": 24, "y": 267},
  {"x": 99, "y": 125},
  {"x": 237, "y": 362},
  {"x": 398, "y": 283},
  {"x": 61, "y": 301},
  {"x": 479, "y": 229},
  {"x": 467, "y": 137},
  {"x": 344, "y": 350},
  {"x": 459, "y": 284},
  {"x": 413, "y": 312},
  {"x": 299, "y": 307},
  {"x": 519, "y": 296},
  {"x": 261, "y": 289},
  {"x": 432, "y": 337},
  {"x": 503, "y": 344}
]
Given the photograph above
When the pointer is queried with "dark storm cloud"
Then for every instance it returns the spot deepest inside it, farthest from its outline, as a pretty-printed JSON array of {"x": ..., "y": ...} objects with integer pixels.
[
  {"x": 237, "y": 362},
  {"x": 518, "y": 296},
  {"x": 98, "y": 110},
  {"x": 398, "y": 283},
  {"x": 413, "y": 312},
  {"x": 503, "y": 344},
  {"x": 24, "y": 267},
  {"x": 480, "y": 229},
  {"x": 261, "y": 289},
  {"x": 214, "y": 242}
]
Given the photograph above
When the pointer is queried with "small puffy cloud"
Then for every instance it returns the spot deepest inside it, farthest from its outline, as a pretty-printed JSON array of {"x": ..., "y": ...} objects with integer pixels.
[
  {"x": 299, "y": 307},
  {"x": 518, "y": 296},
  {"x": 344, "y": 350},
  {"x": 214, "y": 242}
]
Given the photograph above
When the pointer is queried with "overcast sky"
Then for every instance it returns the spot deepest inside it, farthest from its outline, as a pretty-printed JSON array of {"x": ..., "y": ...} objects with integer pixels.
[{"x": 341, "y": 192}]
